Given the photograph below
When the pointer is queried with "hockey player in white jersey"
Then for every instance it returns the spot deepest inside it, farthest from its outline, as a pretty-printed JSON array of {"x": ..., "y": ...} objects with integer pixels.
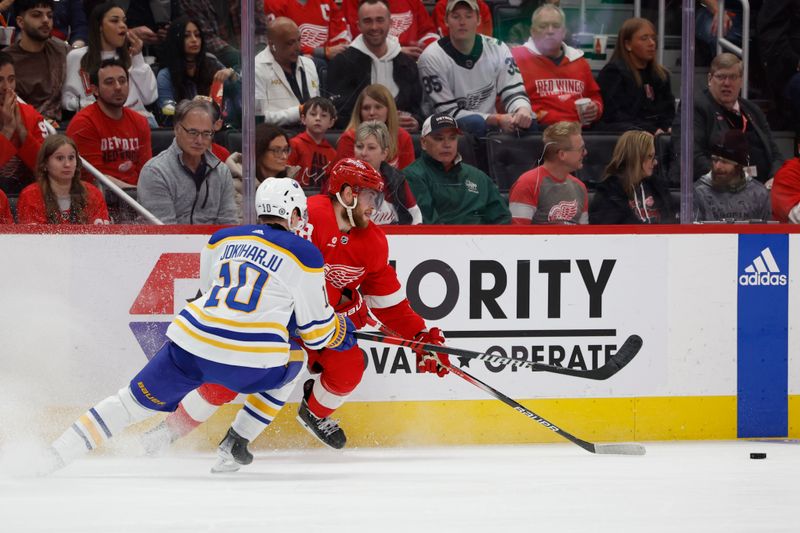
[
  {"x": 465, "y": 73},
  {"x": 262, "y": 285}
]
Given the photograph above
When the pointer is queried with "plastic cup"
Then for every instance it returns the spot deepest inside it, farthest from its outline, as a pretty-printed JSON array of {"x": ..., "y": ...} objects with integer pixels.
[
  {"x": 6, "y": 36},
  {"x": 580, "y": 106}
]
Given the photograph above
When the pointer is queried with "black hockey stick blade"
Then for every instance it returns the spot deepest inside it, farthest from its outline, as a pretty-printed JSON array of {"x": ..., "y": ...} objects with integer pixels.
[
  {"x": 608, "y": 449},
  {"x": 617, "y": 362}
]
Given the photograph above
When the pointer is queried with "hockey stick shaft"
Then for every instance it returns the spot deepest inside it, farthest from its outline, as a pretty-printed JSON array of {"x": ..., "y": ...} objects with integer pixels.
[
  {"x": 626, "y": 352},
  {"x": 620, "y": 449}
]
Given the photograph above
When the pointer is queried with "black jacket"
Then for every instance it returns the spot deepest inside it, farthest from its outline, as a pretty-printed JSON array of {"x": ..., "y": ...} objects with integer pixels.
[
  {"x": 778, "y": 35},
  {"x": 611, "y": 205},
  {"x": 626, "y": 105},
  {"x": 396, "y": 192},
  {"x": 350, "y": 71},
  {"x": 710, "y": 124}
]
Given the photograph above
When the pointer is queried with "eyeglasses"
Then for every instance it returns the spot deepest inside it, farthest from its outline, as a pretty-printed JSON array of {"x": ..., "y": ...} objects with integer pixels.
[
  {"x": 277, "y": 152},
  {"x": 541, "y": 26},
  {"x": 726, "y": 77},
  {"x": 193, "y": 133},
  {"x": 580, "y": 149}
]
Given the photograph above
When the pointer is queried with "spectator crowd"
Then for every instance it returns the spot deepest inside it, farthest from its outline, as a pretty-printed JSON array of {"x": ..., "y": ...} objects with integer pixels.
[{"x": 145, "y": 98}]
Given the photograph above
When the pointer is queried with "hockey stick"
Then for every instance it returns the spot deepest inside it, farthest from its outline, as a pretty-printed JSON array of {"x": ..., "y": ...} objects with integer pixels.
[
  {"x": 614, "y": 364},
  {"x": 611, "y": 449}
]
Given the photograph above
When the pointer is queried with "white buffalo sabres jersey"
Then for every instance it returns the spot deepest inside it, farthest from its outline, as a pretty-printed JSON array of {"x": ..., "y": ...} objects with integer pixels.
[
  {"x": 461, "y": 85},
  {"x": 260, "y": 286}
]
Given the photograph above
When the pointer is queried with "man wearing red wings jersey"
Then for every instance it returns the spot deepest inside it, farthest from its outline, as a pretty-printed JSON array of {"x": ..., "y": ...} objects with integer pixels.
[
  {"x": 356, "y": 255},
  {"x": 323, "y": 30}
]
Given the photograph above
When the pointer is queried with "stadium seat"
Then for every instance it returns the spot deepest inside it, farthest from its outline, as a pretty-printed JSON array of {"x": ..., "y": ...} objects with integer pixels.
[
  {"x": 510, "y": 156},
  {"x": 160, "y": 139},
  {"x": 664, "y": 158}
]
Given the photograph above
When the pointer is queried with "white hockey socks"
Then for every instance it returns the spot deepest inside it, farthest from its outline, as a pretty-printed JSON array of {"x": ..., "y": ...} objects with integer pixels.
[
  {"x": 261, "y": 408},
  {"x": 99, "y": 424}
]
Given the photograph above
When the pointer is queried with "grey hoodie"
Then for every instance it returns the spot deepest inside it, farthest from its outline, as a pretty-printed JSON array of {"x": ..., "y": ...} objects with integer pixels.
[
  {"x": 168, "y": 190},
  {"x": 750, "y": 202}
]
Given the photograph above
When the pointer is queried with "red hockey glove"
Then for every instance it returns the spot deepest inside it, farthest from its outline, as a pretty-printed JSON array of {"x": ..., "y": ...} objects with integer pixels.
[
  {"x": 356, "y": 310},
  {"x": 427, "y": 361}
]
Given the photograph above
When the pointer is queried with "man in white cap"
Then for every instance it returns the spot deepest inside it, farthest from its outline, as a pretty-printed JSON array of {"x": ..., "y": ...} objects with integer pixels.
[
  {"x": 465, "y": 73},
  {"x": 447, "y": 190}
]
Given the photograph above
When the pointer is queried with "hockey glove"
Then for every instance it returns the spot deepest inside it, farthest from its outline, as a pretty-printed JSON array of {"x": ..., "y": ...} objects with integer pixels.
[
  {"x": 356, "y": 310},
  {"x": 345, "y": 337},
  {"x": 427, "y": 361}
]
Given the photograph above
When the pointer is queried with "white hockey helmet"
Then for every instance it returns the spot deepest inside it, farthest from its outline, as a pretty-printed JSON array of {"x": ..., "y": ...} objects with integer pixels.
[{"x": 279, "y": 197}]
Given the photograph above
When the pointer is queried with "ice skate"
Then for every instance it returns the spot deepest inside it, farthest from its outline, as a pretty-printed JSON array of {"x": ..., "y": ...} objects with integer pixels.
[
  {"x": 232, "y": 453},
  {"x": 156, "y": 440},
  {"x": 325, "y": 429},
  {"x": 48, "y": 463}
]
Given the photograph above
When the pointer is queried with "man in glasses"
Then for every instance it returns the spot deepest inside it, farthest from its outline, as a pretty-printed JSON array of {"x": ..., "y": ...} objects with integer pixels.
[
  {"x": 115, "y": 139},
  {"x": 187, "y": 183},
  {"x": 720, "y": 108}
]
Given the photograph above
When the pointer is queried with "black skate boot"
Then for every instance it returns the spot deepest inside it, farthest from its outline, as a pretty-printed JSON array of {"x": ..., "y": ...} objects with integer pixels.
[
  {"x": 232, "y": 453},
  {"x": 325, "y": 429}
]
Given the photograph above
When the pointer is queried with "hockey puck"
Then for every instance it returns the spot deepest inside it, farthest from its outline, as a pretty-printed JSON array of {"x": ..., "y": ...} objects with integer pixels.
[{"x": 758, "y": 456}]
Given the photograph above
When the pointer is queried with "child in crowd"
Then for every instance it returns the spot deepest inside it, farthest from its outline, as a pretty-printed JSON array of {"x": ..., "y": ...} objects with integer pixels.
[
  {"x": 59, "y": 196},
  {"x": 310, "y": 150}
]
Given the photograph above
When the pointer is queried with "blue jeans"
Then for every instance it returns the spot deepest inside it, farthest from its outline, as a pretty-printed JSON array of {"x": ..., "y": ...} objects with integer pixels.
[
  {"x": 703, "y": 29},
  {"x": 476, "y": 126}
]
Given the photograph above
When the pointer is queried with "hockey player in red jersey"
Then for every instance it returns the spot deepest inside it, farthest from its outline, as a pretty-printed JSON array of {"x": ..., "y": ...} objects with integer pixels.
[
  {"x": 323, "y": 30},
  {"x": 356, "y": 255}
]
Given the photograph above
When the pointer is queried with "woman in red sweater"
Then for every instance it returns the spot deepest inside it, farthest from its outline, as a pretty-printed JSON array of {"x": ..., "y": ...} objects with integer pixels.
[
  {"x": 59, "y": 196},
  {"x": 376, "y": 103}
]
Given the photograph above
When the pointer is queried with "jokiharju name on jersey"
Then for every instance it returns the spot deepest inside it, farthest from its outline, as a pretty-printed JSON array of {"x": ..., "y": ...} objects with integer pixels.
[
  {"x": 764, "y": 271},
  {"x": 254, "y": 254},
  {"x": 259, "y": 283}
]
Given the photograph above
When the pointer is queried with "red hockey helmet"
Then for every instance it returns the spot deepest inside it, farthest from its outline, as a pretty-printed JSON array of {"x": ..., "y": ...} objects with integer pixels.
[{"x": 355, "y": 173}]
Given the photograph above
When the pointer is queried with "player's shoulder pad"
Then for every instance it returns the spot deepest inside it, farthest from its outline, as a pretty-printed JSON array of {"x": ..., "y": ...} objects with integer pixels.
[
  {"x": 376, "y": 238},
  {"x": 304, "y": 252}
]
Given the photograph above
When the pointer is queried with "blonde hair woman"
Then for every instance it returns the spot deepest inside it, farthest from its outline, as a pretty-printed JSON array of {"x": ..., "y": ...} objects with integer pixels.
[
  {"x": 627, "y": 194},
  {"x": 59, "y": 196},
  {"x": 376, "y": 103},
  {"x": 399, "y": 205}
]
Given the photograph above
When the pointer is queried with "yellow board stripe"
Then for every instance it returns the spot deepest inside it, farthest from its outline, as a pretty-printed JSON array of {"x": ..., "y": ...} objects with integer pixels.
[
  {"x": 473, "y": 422},
  {"x": 235, "y": 323},
  {"x": 225, "y": 346},
  {"x": 88, "y": 423},
  {"x": 268, "y": 244},
  {"x": 256, "y": 402}
]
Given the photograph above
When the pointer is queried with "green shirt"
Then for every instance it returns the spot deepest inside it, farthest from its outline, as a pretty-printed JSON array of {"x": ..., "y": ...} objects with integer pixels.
[{"x": 461, "y": 195}]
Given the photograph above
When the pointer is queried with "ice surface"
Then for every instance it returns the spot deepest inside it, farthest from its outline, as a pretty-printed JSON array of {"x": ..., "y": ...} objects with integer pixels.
[{"x": 676, "y": 487}]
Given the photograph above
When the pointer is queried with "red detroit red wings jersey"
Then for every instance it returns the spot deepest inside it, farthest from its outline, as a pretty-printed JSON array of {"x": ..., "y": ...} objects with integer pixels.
[
  {"x": 411, "y": 23},
  {"x": 360, "y": 260},
  {"x": 321, "y": 22}
]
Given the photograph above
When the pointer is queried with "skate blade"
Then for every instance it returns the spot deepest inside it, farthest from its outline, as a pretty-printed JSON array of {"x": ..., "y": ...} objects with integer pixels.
[
  {"x": 225, "y": 466},
  {"x": 314, "y": 434}
]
